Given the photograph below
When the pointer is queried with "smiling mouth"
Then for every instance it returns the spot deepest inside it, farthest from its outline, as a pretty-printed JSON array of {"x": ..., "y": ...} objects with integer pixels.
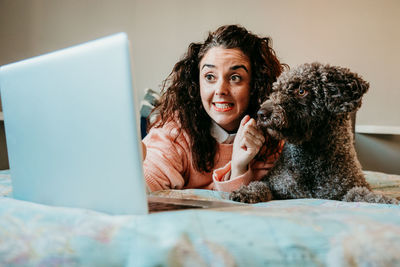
[{"x": 222, "y": 106}]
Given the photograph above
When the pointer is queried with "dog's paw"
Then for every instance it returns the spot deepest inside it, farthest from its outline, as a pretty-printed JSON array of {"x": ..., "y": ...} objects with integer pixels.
[
  {"x": 253, "y": 193},
  {"x": 363, "y": 194}
]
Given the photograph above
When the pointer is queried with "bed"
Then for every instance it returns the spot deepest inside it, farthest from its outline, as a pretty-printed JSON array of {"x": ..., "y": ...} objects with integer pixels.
[{"x": 303, "y": 232}]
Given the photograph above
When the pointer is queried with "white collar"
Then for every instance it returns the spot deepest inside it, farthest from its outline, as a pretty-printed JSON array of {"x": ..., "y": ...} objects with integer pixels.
[{"x": 219, "y": 133}]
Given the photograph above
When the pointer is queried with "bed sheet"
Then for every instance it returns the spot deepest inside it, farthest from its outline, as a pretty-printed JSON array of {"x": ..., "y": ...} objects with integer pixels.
[{"x": 302, "y": 232}]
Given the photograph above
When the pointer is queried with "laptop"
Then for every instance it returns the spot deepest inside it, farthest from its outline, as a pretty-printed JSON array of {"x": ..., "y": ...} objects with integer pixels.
[{"x": 72, "y": 130}]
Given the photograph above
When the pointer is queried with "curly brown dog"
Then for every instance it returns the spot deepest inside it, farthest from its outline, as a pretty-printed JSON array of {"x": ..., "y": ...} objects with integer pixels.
[{"x": 310, "y": 109}]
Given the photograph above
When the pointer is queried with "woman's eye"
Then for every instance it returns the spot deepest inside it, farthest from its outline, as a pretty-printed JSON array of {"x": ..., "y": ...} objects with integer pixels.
[
  {"x": 236, "y": 78},
  {"x": 209, "y": 77}
]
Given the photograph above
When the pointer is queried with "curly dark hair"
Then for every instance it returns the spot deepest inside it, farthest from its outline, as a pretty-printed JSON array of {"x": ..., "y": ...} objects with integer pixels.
[{"x": 181, "y": 99}]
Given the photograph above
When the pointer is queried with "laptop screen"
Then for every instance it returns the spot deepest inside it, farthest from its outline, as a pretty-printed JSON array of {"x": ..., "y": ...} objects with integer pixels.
[{"x": 72, "y": 128}]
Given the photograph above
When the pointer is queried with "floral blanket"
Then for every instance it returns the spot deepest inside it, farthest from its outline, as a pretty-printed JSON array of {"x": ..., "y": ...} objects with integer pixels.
[{"x": 303, "y": 232}]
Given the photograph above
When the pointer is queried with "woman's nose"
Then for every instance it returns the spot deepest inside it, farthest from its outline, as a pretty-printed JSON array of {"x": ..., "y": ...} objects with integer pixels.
[{"x": 222, "y": 87}]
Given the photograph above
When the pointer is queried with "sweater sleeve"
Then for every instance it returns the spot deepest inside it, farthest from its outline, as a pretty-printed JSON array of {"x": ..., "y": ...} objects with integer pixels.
[
  {"x": 222, "y": 181},
  {"x": 166, "y": 159},
  {"x": 256, "y": 171}
]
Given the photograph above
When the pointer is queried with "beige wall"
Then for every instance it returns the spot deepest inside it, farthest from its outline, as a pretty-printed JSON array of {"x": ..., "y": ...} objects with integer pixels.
[{"x": 361, "y": 34}]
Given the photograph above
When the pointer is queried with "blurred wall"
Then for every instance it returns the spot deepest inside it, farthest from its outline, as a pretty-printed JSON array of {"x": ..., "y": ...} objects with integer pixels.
[
  {"x": 363, "y": 35},
  {"x": 379, "y": 152}
]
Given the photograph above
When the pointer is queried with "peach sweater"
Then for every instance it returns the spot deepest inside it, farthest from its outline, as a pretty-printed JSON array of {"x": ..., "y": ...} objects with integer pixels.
[{"x": 168, "y": 164}]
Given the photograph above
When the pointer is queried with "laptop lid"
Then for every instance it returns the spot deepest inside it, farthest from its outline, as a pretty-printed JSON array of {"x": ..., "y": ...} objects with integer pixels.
[{"x": 72, "y": 131}]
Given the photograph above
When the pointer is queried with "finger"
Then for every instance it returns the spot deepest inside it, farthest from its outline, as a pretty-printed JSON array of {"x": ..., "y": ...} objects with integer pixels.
[
  {"x": 251, "y": 135},
  {"x": 260, "y": 138},
  {"x": 245, "y": 123},
  {"x": 245, "y": 120},
  {"x": 251, "y": 148},
  {"x": 255, "y": 142},
  {"x": 249, "y": 141},
  {"x": 253, "y": 125},
  {"x": 258, "y": 135},
  {"x": 252, "y": 129},
  {"x": 242, "y": 124},
  {"x": 252, "y": 122}
]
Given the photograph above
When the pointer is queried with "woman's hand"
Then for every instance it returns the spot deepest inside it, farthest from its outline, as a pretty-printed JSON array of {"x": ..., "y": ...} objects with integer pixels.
[
  {"x": 248, "y": 141},
  {"x": 144, "y": 151}
]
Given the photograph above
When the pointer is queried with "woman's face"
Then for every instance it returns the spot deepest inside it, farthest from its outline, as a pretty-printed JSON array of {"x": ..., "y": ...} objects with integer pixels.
[{"x": 225, "y": 76}]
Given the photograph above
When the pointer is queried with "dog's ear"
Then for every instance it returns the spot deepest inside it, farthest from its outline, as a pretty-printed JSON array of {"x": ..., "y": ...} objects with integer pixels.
[{"x": 343, "y": 89}]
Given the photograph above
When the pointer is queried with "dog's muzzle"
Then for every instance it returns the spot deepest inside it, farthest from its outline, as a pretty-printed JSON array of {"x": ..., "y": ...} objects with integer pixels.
[{"x": 264, "y": 114}]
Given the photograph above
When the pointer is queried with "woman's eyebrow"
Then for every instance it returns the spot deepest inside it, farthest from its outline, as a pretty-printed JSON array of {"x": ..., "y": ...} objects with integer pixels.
[
  {"x": 208, "y": 65},
  {"x": 232, "y": 68},
  {"x": 239, "y": 67}
]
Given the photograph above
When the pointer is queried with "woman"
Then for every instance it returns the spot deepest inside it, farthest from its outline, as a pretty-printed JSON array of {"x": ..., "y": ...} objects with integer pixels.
[{"x": 205, "y": 135}]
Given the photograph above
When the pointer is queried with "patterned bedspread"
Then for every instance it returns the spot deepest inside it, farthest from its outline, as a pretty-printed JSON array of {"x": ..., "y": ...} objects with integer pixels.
[{"x": 304, "y": 232}]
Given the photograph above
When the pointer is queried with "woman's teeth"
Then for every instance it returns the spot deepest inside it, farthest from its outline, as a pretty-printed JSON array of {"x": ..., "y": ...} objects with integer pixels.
[{"x": 223, "y": 106}]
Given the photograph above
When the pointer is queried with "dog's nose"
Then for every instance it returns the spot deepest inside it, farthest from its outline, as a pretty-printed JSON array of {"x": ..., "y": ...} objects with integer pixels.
[
  {"x": 263, "y": 114},
  {"x": 265, "y": 111}
]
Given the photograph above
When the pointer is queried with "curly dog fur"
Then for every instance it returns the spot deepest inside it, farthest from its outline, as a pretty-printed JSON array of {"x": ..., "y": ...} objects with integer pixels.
[{"x": 310, "y": 109}]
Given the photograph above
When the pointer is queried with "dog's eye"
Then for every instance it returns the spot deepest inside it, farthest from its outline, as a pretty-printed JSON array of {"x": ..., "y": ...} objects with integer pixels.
[{"x": 301, "y": 92}]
